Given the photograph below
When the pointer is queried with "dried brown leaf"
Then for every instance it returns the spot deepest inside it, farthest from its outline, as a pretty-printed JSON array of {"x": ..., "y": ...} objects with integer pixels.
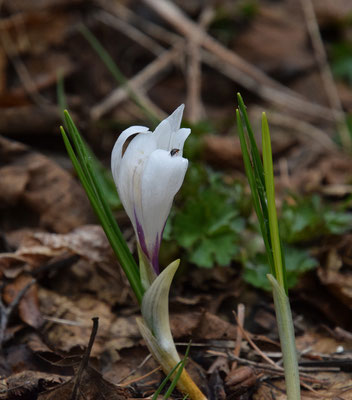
[
  {"x": 49, "y": 192},
  {"x": 93, "y": 387},
  {"x": 29, "y": 305}
]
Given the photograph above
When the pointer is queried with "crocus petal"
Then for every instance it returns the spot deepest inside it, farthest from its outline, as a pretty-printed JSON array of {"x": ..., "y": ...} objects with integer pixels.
[
  {"x": 148, "y": 170},
  {"x": 179, "y": 139},
  {"x": 168, "y": 128},
  {"x": 162, "y": 178},
  {"x": 128, "y": 180},
  {"x": 117, "y": 150}
]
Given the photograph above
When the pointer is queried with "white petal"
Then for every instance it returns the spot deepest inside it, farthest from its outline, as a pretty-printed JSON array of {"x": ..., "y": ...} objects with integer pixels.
[
  {"x": 162, "y": 178},
  {"x": 167, "y": 128},
  {"x": 129, "y": 173},
  {"x": 117, "y": 150},
  {"x": 179, "y": 140}
]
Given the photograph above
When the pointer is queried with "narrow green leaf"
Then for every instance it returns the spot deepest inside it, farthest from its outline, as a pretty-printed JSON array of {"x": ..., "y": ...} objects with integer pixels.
[
  {"x": 164, "y": 382},
  {"x": 178, "y": 374},
  {"x": 270, "y": 193},
  {"x": 85, "y": 170},
  {"x": 258, "y": 169},
  {"x": 258, "y": 166},
  {"x": 251, "y": 175}
]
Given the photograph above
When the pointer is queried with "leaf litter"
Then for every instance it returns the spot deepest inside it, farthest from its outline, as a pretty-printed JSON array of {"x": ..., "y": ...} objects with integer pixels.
[{"x": 47, "y": 230}]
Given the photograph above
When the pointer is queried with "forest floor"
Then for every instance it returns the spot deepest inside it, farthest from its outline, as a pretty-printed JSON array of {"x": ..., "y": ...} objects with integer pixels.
[{"x": 292, "y": 59}]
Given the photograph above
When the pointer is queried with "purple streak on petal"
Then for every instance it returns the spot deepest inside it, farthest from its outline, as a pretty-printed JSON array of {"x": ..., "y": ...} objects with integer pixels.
[
  {"x": 155, "y": 258},
  {"x": 141, "y": 237}
]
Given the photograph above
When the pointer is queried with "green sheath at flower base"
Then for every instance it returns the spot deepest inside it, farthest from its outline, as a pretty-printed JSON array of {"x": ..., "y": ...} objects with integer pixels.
[
  {"x": 155, "y": 329},
  {"x": 287, "y": 339}
]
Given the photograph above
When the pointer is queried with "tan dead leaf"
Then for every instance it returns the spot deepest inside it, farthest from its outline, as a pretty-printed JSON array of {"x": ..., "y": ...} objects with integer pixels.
[
  {"x": 92, "y": 386},
  {"x": 35, "y": 31},
  {"x": 29, "y": 305},
  {"x": 27, "y": 384},
  {"x": 335, "y": 386},
  {"x": 332, "y": 10},
  {"x": 334, "y": 274},
  {"x": 320, "y": 343},
  {"x": 49, "y": 192},
  {"x": 43, "y": 70},
  {"x": 88, "y": 241},
  {"x": 12, "y": 184},
  {"x": 198, "y": 325},
  {"x": 223, "y": 151},
  {"x": 278, "y": 25},
  {"x": 70, "y": 321}
]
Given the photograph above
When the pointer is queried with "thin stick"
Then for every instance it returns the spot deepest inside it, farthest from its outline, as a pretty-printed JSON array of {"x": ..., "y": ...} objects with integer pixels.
[
  {"x": 6, "y": 312},
  {"x": 130, "y": 31},
  {"x": 85, "y": 359},
  {"x": 254, "y": 79},
  {"x": 239, "y": 335},
  {"x": 255, "y": 347},
  {"x": 145, "y": 78},
  {"x": 136, "y": 369},
  {"x": 325, "y": 72},
  {"x": 194, "y": 72},
  {"x": 140, "y": 378}
]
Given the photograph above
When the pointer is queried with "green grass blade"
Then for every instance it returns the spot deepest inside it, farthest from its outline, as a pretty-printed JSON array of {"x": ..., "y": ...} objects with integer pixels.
[
  {"x": 116, "y": 73},
  {"x": 250, "y": 172},
  {"x": 164, "y": 382},
  {"x": 78, "y": 168},
  {"x": 178, "y": 374},
  {"x": 179, "y": 367},
  {"x": 88, "y": 164},
  {"x": 85, "y": 170},
  {"x": 257, "y": 162},
  {"x": 270, "y": 193},
  {"x": 257, "y": 165}
]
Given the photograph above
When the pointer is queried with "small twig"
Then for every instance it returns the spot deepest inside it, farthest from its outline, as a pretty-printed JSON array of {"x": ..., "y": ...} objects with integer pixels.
[
  {"x": 317, "y": 136},
  {"x": 56, "y": 265},
  {"x": 255, "y": 347},
  {"x": 140, "y": 378},
  {"x": 21, "y": 69},
  {"x": 246, "y": 74},
  {"x": 136, "y": 369},
  {"x": 6, "y": 311},
  {"x": 325, "y": 72},
  {"x": 194, "y": 72},
  {"x": 239, "y": 335},
  {"x": 144, "y": 79},
  {"x": 85, "y": 359},
  {"x": 130, "y": 31},
  {"x": 271, "y": 368}
]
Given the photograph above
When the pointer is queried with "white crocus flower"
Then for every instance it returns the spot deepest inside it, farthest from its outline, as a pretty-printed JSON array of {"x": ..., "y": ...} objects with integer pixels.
[{"x": 148, "y": 170}]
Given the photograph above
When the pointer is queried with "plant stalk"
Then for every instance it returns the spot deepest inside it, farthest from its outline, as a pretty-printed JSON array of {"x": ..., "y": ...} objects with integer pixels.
[{"x": 287, "y": 339}]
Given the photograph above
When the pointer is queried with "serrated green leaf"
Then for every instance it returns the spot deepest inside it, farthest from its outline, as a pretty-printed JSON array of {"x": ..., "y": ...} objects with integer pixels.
[{"x": 298, "y": 261}]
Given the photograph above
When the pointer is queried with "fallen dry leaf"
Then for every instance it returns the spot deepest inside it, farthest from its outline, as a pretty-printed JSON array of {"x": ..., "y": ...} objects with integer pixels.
[
  {"x": 49, "y": 192},
  {"x": 92, "y": 387},
  {"x": 27, "y": 384},
  {"x": 278, "y": 25},
  {"x": 201, "y": 325},
  {"x": 28, "y": 307}
]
